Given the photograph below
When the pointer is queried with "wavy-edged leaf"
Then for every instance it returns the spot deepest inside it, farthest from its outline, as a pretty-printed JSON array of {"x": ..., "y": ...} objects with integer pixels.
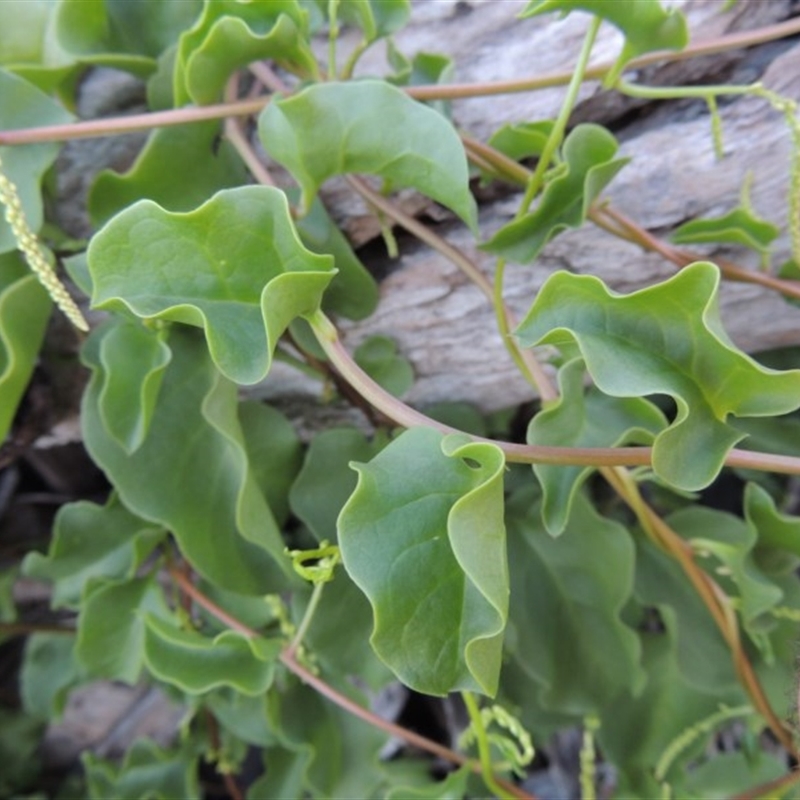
[
  {"x": 22, "y": 105},
  {"x": 234, "y": 266},
  {"x": 191, "y": 473},
  {"x": 377, "y": 18},
  {"x": 92, "y": 541},
  {"x": 740, "y": 226},
  {"x": 24, "y": 310},
  {"x": 369, "y": 127},
  {"x": 453, "y": 787},
  {"x": 231, "y": 34},
  {"x": 325, "y": 482},
  {"x": 378, "y": 357},
  {"x": 197, "y": 664},
  {"x": 645, "y": 25},
  {"x": 179, "y": 168},
  {"x": 353, "y": 292},
  {"x": 123, "y": 35},
  {"x": 134, "y": 360},
  {"x": 776, "y": 531},
  {"x": 569, "y": 635},
  {"x": 584, "y": 420},
  {"x": 111, "y": 627},
  {"x": 423, "y": 537},
  {"x": 424, "y": 69},
  {"x": 589, "y": 166},
  {"x": 666, "y": 339},
  {"x": 724, "y": 774},
  {"x": 148, "y": 771}
]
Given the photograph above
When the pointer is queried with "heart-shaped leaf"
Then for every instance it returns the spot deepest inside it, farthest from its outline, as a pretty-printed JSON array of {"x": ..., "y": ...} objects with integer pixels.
[
  {"x": 368, "y": 127},
  {"x": 197, "y": 664},
  {"x": 666, "y": 339},
  {"x": 424, "y": 539},
  {"x": 231, "y": 34},
  {"x": 589, "y": 165},
  {"x": 234, "y": 267},
  {"x": 584, "y": 420},
  {"x": 644, "y": 23}
]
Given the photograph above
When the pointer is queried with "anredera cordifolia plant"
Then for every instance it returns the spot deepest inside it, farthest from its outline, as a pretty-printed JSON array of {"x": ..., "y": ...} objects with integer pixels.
[{"x": 273, "y": 590}]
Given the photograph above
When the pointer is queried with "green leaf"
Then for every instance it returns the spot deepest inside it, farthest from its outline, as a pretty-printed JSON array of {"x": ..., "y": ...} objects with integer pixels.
[
  {"x": 22, "y": 105},
  {"x": 231, "y": 34},
  {"x": 739, "y": 226},
  {"x": 731, "y": 541},
  {"x": 635, "y": 732},
  {"x": 368, "y": 127},
  {"x": 24, "y": 311},
  {"x": 776, "y": 531},
  {"x": 49, "y": 671},
  {"x": 378, "y": 357},
  {"x": 148, "y": 771},
  {"x": 453, "y": 787},
  {"x": 179, "y": 168},
  {"x": 703, "y": 657},
  {"x": 666, "y": 339},
  {"x": 377, "y": 18},
  {"x": 424, "y": 69},
  {"x": 191, "y": 473},
  {"x": 198, "y": 664},
  {"x": 566, "y": 614},
  {"x": 234, "y": 267},
  {"x": 120, "y": 34},
  {"x": 584, "y": 420},
  {"x": 111, "y": 627},
  {"x": 20, "y": 742},
  {"x": 274, "y": 453},
  {"x": 91, "y": 541},
  {"x": 133, "y": 360},
  {"x": 325, "y": 482},
  {"x": 353, "y": 292},
  {"x": 522, "y": 139},
  {"x": 645, "y": 25},
  {"x": 588, "y": 153},
  {"x": 423, "y": 537},
  {"x": 725, "y": 774}
]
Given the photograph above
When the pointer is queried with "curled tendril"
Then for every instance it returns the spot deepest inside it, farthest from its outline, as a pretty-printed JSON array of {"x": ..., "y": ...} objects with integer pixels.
[
  {"x": 34, "y": 252},
  {"x": 515, "y": 745},
  {"x": 324, "y": 558}
]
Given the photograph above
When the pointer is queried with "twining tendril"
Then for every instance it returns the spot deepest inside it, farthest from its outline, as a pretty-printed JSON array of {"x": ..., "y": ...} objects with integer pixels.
[
  {"x": 588, "y": 759},
  {"x": 34, "y": 253},
  {"x": 324, "y": 558},
  {"x": 515, "y": 745}
]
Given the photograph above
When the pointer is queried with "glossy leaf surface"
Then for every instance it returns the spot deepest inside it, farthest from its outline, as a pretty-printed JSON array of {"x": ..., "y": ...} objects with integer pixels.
[
  {"x": 589, "y": 165},
  {"x": 231, "y": 34},
  {"x": 198, "y": 664},
  {"x": 424, "y": 539},
  {"x": 191, "y": 473},
  {"x": 368, "y": 127},
  {"x": 666, "y": 339},
  {"x": 24, "y": 311},
  {"x": 234, "y": 267},
  {"x": 584, "y": 420}
]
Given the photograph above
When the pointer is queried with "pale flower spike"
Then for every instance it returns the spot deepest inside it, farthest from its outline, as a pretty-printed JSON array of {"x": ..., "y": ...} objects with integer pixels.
[{"x": 34, "y": 255}]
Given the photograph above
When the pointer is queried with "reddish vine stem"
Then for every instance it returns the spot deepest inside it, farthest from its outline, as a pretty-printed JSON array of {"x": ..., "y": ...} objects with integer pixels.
[
  {"x": 180, "y": 116},
  {"x": 26, "y": 628},
  {"x": 332, "y": 694},
  {"x": 216, "y": 745}
]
